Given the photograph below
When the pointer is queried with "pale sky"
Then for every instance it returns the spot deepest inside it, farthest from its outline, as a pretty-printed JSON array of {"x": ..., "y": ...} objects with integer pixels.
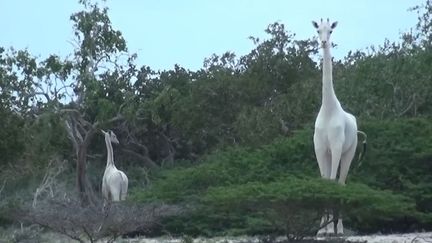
[{"x": 168, "y": 32}]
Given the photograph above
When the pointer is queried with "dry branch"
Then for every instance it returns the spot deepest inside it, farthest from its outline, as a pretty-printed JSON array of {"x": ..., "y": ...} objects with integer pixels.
[
  {"x": 145, "y": 159},
  {"x": 92, "y": 222},
  {"x": 54, "y": 168},
  {"x": 2, "y": 187}
]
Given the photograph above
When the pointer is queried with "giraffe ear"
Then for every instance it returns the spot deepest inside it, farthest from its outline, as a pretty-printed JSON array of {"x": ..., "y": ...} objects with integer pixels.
[
  {"x": 315, "y": 24},
  {"x": 334, "y": 25},
  {"x": 103, "y": 131}
]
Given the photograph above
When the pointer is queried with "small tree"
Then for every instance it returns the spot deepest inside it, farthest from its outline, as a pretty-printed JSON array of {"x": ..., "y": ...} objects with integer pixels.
[{"x": 102, "y": 83}]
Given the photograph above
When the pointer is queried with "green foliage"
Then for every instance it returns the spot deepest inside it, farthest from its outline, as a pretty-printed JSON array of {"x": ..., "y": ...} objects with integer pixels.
[
  {"x": 276, "y": 188},
  {"x": 239, "y": 165},
  {"x": 398, "y": 158},
  {"x": 93, "y": 29},
  {"x": 47, "y": 138},
  {"x": 16, "y": 80},
  {"x": 255, "y": 125},
  {"x": 392, "y": 80},
  {"x": 11, "y": 132},
  {"x": 292, "y": 202}
]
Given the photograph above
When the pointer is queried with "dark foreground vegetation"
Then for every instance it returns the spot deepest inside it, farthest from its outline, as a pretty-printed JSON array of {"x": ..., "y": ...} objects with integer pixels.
[{"x": 224, "y": 150}]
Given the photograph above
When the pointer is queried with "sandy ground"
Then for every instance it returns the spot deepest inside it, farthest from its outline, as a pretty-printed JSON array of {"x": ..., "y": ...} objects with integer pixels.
[
  {"x": 394, "y": 238},
  {"x": 403, "y": 238}
]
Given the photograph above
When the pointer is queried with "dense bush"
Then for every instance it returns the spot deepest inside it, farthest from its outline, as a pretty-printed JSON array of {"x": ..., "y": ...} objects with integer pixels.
[
  {"x": 399, "y": 159},
  {"x": 238, "y": 165},
  {"x": 295, "y": 206},
  {"x": 239, "y": 190}
]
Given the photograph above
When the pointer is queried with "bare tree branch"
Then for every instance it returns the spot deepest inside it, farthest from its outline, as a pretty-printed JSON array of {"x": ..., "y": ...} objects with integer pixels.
[
  {"x": 133, "y": 141},
  {"x": 2, "y": 187},
  {"x": 117, "y": 118},
  {"x": 55, "y": 167},
  {"x": 409, "y": 106},
  {"x": 84, "y": 223},
  {"x": 71, "y": 134},
  {"x": 170, "y": 148},
  {"x": 147, "y": 161}
]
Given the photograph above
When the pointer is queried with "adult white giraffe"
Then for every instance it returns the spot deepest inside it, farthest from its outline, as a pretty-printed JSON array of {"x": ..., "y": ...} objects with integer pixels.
[
  {"x": 335, "y": 136},
  {"x": 114, "y": 181}
]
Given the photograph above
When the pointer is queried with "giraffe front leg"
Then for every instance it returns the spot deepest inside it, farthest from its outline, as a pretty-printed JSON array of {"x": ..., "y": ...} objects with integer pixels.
[
  {"x": 340, "y": 228},
  {"x": 336, "y": 140},
  {"x": 323, "y": 155},
  {"x": 336, "y": 153}
]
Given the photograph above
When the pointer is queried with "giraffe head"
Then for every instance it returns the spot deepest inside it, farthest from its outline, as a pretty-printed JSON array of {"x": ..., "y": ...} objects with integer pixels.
[
  {"x": 110, "y": 136},
  {"x": 324, "y": 30}
]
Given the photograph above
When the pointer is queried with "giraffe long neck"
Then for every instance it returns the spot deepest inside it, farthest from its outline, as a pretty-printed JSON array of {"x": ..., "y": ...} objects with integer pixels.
[
  {"x": 110, "y": 154},
  {"x": 329, "y": 99}
]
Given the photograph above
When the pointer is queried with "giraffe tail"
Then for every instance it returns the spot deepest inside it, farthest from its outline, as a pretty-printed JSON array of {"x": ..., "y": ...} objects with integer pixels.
[{"x": 364, "y": 143}]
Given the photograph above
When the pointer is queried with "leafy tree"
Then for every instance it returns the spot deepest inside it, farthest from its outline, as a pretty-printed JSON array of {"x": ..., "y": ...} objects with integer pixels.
[
  {"x": 102, "y": 84},
  {"x": 392, "y": 80}
]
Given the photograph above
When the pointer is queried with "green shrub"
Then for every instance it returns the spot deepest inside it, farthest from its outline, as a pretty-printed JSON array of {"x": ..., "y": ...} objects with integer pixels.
[
  {"x": 235, "y": 166},
  {"x": 292, "y": 205},
  {"x": 272, "y": 188},
  {"x": 399, "y": 158}
]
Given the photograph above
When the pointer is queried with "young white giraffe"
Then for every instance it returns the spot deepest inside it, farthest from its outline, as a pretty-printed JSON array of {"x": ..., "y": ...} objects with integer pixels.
[
  {"x": 335, "y": 137},
  {"x": 114, "y": 181}
]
